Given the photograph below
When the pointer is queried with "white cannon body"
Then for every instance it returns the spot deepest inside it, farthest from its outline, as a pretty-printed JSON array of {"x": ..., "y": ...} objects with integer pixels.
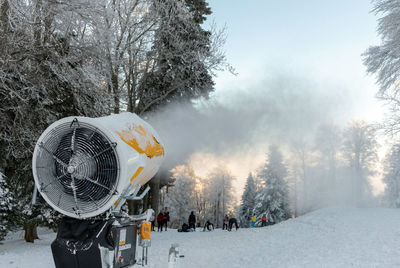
[{"x": 85, "y": 166}]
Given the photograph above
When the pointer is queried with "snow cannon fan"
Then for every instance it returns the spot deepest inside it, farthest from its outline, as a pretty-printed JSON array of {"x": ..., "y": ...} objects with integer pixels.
[{"x": 85, "y": 166}]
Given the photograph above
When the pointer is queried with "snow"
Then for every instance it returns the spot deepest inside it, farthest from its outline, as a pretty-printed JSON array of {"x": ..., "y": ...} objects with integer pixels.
[{"x": 331, "y": 237}]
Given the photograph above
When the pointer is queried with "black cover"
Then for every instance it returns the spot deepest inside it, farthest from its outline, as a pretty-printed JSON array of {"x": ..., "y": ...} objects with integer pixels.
[{"x": 77, "y": 242}]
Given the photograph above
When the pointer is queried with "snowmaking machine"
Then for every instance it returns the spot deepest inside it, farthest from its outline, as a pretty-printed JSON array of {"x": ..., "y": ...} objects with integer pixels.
[{"x": 86, "y": 168}]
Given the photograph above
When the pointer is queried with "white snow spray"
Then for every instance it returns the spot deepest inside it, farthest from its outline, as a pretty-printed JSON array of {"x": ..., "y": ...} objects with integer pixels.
[
  {"x": 285, "y": 111},
  {"x": 274, "y": 111}
]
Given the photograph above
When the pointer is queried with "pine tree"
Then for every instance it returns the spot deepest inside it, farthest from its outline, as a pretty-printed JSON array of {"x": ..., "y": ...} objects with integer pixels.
[
  {"x": 248, "y": 202},
  {"x": 273, "y": 199},
  {"x": 392, "y": 177},
  {"x": 181, "y": 47}
]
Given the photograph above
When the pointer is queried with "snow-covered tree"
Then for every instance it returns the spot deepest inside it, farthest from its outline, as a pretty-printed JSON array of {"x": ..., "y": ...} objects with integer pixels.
[
  {"x": 218, "y": 191},
  {"x": 180, "y": 199},
  {"x": 384, "y": 60},
  {"x": 328, "y": 142},
  {"x": 8, "y": 208},
  {"x": 360, "y": 151},
  {"x": 180, "y": 49},
  {"x": 273, "y": 200},
  {"x": 89, "y": 58},
  {"x": 44, "y": 75},
  {"x": 210, "y": 198},
  {"x": 248, "y": 202},
  {"x": 392, "y": 177},
  {"x": 301, "y": 181}
]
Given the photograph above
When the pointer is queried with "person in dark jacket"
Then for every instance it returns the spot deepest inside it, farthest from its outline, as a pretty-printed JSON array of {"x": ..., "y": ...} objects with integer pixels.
[
  {"x": 165, "y": 220},
  {"x": 185, "y": 228},
  {"x": 192, "y": 221},
  {"x": 225, "y": 222},
  {"x": 208, "y": 226},
  {"x": 153, "y": 222},
  {"x": 233, "y": 221}
]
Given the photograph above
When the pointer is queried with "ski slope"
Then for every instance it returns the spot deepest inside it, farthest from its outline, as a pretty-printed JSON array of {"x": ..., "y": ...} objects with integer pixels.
[{"x": 331, "y": 237}]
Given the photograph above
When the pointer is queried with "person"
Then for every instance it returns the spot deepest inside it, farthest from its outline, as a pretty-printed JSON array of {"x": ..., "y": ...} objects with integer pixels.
[
  {"x": 208, "y": 226},
  {"x": 160, "y": 218},
  {"x": 185, "y": 228},
  {"x": 192, "y": 221},
  {"x": 233, "y": 221},
  {"x": 225, "y": 222},
  {"x": 264, "y": 220},
  {"x": 165, "y": 220},
  {"x": 253, "y": 220}
]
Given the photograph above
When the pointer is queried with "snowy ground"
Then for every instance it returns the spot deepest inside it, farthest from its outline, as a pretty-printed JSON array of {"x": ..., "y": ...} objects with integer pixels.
[{"x": 333, "y": 237}]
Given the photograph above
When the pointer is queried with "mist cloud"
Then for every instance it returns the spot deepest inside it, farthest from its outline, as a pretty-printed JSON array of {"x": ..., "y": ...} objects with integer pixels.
[{"x": 274, "y": 110}]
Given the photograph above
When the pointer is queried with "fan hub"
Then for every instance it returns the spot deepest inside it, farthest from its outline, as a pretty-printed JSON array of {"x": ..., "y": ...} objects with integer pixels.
[{"x": 71, "y": 169}]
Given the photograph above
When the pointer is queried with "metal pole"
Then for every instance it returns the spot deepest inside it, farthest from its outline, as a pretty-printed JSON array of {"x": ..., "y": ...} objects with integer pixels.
[
  {"x": 147, "y": 253},
  {"x": 142, "y": 256},
  {"x": 34, "y": 196}
]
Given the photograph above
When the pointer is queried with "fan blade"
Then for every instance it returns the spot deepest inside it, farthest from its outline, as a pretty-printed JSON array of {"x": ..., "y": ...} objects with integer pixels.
[
  {"x": 97, "y": 183},
  {"x": 58, "y": 160},
  {"x": 74, "y": 191}
]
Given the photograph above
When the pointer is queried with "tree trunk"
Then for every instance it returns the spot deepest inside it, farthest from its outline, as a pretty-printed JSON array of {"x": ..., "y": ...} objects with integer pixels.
[
  {"x": 114, "y": 81},
  {"x": 3, "y": 26},
  {"x": 131, "y": 207},
  {"x": 134, "y": 207},
  {"x": 146, "y": 202},
  {"x": 37, "y": 28},
  {"x": 30, "y": 232},
  {"x": 155, "y": 192}
]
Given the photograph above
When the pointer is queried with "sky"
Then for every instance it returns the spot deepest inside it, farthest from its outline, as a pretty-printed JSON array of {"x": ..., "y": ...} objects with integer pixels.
[
  {"x": 318, "y": 43},
  {"x": 316, "y": 39},
  {"x": 298, "y": 64}
]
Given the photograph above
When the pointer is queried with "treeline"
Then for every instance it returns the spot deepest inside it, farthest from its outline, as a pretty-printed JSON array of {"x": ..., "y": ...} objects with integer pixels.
[
  {"x": 334, "y": 167},
  {"x": 210, "y": 197},
  {"x": 91, "y": 58}
]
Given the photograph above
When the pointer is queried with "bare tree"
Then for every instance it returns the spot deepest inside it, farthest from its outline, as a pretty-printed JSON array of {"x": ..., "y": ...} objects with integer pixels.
[
  {"x": 392, "y": 177},
  {"x": 360, "y": 152},
  {"x": 328, "y": 143},
  {"x": 384, "y": 60},
  {"x": 219, "y": 193}
]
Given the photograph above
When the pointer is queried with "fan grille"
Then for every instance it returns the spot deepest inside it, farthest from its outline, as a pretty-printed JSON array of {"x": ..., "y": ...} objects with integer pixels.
[{"x": 77, "y": 167}]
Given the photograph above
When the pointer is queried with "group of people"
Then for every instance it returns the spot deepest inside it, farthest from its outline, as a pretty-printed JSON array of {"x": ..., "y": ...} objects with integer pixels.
[
  {"x": 191, "y": 226},
  {"x": 228, "y": 223},
  {"x": 263, "y": 220},
  {"x": 162, "y": 220}
]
